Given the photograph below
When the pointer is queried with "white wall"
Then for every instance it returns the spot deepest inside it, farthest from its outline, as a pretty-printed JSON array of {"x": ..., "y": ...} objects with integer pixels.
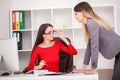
[
  {"x": 5, "y": 5},
  {"x": 22, "y": 4}
]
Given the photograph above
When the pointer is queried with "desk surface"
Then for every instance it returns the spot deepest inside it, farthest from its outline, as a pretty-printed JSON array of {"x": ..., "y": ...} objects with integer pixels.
[{"x": 52, "y": 77}]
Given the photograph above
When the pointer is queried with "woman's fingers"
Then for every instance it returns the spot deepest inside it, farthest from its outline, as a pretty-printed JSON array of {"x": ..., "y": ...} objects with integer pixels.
[
  {"x": 77, "y": 71},
  {"x": 60, "y": 33},
  {"x": 90, "y": 72},
  {"x": 42, "y": 62}
]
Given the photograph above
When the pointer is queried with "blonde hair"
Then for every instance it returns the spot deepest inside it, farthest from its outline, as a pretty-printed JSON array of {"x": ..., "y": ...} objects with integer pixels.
[{"x": 88, "y": 12}]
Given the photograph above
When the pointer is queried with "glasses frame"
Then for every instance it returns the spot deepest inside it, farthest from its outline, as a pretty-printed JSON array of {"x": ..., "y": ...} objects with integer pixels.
[{"x": 51, "y": 32}]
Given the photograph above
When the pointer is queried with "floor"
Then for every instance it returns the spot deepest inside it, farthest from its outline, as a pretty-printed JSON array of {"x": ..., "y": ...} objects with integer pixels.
[{"x": 105, "y": 74}]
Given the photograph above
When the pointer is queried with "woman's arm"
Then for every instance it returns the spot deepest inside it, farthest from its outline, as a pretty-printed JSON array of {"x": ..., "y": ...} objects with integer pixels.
[
  {"x": 32, "y": 60},
  {"x": 80, "y": 71},
  {"x": 87, "y": 54},
  {"x": 86, "y": 60},
  {"x": 61, "y": 36},
  {"x": 41, "y": 64},
  {"x": 93, "y": 30},
  {"x": 69, "y": 48}
]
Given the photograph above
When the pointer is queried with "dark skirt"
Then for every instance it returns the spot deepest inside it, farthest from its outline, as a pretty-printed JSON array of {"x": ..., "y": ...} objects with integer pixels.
[{"x": 116, "y": 72}]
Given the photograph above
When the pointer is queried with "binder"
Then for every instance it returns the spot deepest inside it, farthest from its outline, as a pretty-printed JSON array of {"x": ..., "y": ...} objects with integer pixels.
[
  {"x": 14, "y": 34},
  {"x": 18, "y": 35},
  {"x": 22, "y": 19},
  {"x": 13, "y": 20},
  {"x": 19, "y": 40},
  {"x": 17, "y": 20}
]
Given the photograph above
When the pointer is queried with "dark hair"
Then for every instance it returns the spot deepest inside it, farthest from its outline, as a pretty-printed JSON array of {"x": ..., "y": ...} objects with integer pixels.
[
  {"x": 41, "y": 31},
  {"x": 83, "y": 6}
]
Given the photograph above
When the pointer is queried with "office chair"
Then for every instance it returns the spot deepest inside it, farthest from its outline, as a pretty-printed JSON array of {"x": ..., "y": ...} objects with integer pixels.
[{"x": 66, "y": 60}]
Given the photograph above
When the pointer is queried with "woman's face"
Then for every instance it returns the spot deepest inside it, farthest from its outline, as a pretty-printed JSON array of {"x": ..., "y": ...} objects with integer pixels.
[
  {"x": 79, "y": 16},
  {"x": 49, "y": 33}
]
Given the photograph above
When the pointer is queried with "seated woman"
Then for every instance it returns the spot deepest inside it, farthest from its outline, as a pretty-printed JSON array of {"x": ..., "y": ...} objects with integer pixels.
[{"x": 48, "y": 49}]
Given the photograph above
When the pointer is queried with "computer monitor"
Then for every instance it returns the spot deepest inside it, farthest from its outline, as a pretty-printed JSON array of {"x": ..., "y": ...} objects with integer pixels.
[{"x": 9, "y": 52}]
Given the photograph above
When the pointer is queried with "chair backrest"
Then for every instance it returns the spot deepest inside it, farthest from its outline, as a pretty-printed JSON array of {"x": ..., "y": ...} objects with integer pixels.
[{"x": 66, "y": 60}]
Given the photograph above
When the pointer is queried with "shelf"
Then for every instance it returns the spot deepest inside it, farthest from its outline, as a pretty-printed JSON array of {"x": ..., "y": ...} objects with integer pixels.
[
  {"x": 27, "y": 19},
  {"x": 79, "y": 42},
  {"x": 64, "y": 28},
  {"x": 23, "y": 30},
  {"x": 25, "y": 50},
  {"x": 40, "y": 17},
  {"x": 104, "y": 5},
  {"x": 109, "y": 10},
  {"x": 26, "y": 40},
  {"x": 62, "y": 18}
]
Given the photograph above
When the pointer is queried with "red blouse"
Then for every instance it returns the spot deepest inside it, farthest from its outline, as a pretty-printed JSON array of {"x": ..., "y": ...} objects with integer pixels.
[{"x": 50, "y": 55}]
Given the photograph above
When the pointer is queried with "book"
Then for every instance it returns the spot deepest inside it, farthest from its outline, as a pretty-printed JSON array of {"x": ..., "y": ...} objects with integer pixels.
[
  {"x": 44, "y": 72},
  {"x": 22, "y": 19}
]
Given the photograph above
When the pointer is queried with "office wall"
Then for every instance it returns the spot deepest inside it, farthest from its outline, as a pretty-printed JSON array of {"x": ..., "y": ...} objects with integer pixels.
[{"x": 5, "y": 5}]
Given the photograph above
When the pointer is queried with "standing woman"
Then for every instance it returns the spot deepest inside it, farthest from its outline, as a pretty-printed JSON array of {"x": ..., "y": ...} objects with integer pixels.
[{"x": 99, "y": 38}]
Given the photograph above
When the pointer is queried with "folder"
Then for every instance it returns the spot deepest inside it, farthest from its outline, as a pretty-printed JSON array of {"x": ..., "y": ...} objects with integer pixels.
[
  {"x": 17, "y": 20},
  {"x": 19, "y": 40},
  {"x": 22, "y": 19},
  {"x": 18, "y": 35},
  {"x": 13, "y": 20},
  {"x": 14, "y": 34}
]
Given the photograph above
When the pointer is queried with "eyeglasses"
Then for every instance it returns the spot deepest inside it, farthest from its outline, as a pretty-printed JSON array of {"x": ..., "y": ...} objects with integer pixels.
[{"x": 51, "y": 32}]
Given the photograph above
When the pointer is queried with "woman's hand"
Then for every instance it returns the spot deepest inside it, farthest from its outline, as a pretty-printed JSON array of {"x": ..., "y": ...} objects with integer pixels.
[
  {"x": 80, "y": 71},
  {"x": 91, "y": 71},
  {"x": 41, "y": 64},
  {"x": 77, "y": 71},
  {"x": 60, "y": 34}
]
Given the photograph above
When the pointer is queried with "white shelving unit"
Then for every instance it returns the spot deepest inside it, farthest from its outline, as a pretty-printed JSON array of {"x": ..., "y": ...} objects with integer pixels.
[{"x": 60, "y": 18}]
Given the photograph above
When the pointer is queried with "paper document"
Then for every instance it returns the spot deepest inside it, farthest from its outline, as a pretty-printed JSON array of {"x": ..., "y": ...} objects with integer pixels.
[{"x": 44, "y": 72}]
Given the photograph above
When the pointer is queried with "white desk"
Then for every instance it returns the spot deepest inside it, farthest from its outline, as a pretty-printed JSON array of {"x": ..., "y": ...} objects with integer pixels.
[{"x": 52, "y": 77}]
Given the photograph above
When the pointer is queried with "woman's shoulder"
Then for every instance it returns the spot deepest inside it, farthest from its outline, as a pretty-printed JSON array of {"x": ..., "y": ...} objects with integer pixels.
[
  {"x": 57, "y": 42},
  {"x": 90, "y": 21},
  {"x": 36, "y": 47}
]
